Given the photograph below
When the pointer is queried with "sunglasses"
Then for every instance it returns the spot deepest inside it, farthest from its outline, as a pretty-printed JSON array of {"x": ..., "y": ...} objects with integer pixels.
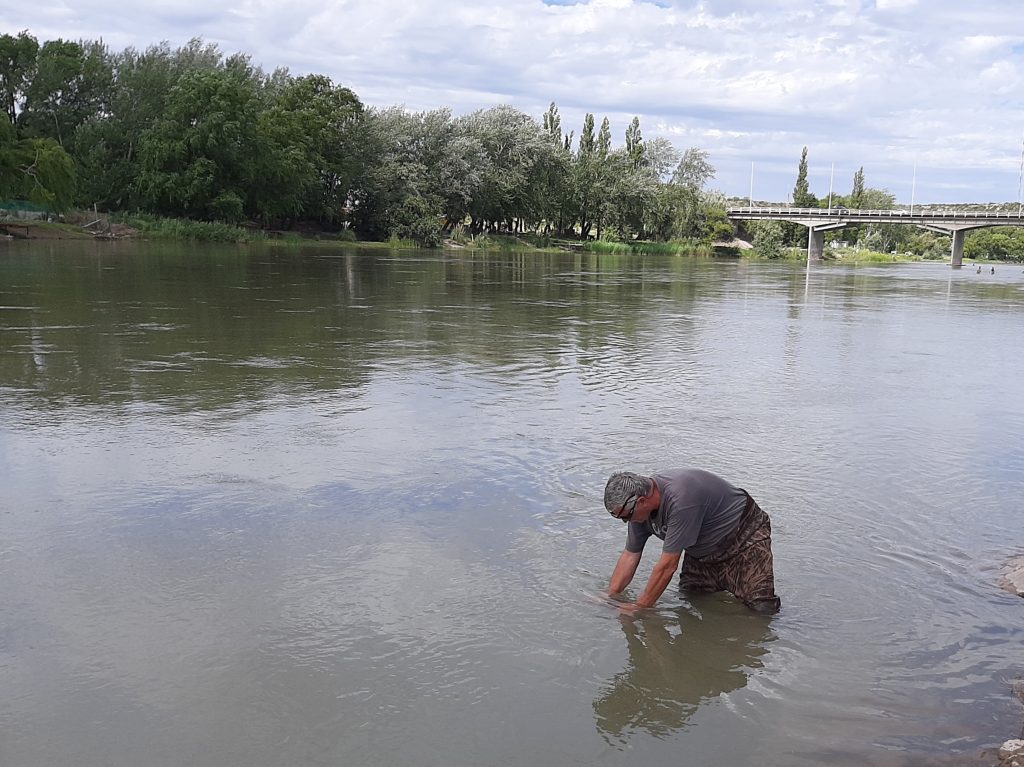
[{"x": 626, "y": 512}]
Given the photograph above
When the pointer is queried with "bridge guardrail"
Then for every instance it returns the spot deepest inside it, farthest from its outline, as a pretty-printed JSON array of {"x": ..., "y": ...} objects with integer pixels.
[{"x": 850, "y": 213}]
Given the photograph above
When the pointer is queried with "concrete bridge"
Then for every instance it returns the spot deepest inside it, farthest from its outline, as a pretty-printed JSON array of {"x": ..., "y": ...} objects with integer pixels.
[{"x": 820, "y": 220}]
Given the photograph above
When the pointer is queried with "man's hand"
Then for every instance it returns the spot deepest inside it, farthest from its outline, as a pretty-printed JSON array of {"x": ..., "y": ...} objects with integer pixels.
[{"x": 629, "y": 608}]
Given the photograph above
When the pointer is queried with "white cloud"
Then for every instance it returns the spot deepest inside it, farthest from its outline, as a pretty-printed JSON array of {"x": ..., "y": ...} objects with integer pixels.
[
  {"x": 897, "y": 5},
  {"x": 860, "y": 82}
]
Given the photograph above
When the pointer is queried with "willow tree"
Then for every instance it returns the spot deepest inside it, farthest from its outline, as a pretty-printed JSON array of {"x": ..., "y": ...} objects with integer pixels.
[{"x": 35, "y": 169}]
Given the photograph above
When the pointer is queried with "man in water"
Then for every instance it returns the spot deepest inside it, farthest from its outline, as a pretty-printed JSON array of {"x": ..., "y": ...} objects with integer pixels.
[{"x": 725, "y": 534}]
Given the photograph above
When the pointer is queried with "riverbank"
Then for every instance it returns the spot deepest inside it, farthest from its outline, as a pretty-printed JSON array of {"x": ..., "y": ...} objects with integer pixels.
[
  {"x": 42, "y": 230},
  {"x": 121, "y": 227}
]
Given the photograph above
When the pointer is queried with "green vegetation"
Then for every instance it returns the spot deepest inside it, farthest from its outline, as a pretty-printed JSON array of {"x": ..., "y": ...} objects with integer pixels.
[
  {"x": 159, "y": 228},
  {"x": 189, "y": 134},
  {"x": 1002, "y": 243},
  {"x": 647, "y": 247}
]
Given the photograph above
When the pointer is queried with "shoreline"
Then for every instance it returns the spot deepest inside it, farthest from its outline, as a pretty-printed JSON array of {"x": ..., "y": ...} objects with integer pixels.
[{"x": 189, "y": 231}]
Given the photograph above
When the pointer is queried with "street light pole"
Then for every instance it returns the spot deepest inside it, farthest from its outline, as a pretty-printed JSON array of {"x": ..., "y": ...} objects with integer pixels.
[
  {"x": 750, "y": 200},
  {"x": 913, "y": 189},
  {"x": 831, "y": 178},
  {"x": 1020, "y": 177}
]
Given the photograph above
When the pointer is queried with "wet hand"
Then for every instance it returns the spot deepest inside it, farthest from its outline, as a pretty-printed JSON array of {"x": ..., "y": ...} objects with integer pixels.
[{"x": 629, "y": 608}]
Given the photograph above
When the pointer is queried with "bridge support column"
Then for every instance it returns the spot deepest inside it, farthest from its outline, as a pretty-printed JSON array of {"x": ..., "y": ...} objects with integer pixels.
[
  {"x": 956, "y": 253},
  {"x": 815, "y": 244}
]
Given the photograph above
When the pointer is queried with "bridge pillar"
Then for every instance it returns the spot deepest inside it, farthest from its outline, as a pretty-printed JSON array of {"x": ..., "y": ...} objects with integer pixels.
[
  {"x": 815, "y": 244},
  {"x": 956, "y": 254}
]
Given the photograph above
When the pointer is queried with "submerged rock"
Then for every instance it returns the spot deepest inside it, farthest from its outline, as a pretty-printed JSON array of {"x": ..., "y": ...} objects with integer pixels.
[{"x": 1013, "y": 577}]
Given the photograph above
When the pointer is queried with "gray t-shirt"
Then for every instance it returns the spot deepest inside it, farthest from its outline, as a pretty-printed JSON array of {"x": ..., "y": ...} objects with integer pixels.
[{"x": 698, "y": 509}]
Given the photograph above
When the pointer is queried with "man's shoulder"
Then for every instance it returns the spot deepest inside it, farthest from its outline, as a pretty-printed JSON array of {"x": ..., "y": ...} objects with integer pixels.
[
  {"x": 686, "y": 486},
  {"x": 677, "y": 477}
]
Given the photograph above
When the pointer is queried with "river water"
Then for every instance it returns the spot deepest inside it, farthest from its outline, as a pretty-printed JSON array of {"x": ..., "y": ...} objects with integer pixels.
[{"x": 328, "y": 507}]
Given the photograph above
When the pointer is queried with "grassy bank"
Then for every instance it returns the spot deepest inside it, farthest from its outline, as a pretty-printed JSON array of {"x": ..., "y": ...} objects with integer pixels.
[
  {"x": 157, "y": 228},
  {"x": 524, "y": 241},
  {"x": 648, "y": 248}
]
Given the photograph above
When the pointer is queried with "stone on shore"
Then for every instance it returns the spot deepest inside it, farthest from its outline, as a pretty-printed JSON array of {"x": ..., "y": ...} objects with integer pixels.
[
  {"x": 1012, "y": 579},
  {"x": 1011, "y": 753}
]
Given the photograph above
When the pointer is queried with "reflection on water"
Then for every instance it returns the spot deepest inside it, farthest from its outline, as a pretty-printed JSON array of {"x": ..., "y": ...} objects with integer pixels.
[
  {"x": 678, "y": 660},
  {"x": 323, "y": 507}
]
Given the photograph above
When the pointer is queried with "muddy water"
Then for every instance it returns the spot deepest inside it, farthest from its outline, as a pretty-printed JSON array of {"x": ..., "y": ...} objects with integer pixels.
[{"x": 325, "y": 507}]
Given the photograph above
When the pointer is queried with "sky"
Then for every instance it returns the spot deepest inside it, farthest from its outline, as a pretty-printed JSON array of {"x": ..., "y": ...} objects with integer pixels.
[{"x": 926, "y": 95}]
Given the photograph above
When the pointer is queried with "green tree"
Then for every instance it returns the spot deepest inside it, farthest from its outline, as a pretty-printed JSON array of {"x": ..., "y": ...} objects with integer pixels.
[
  {"x": 802, "y": 197},
  {"x": 197, "y": 160},
  {"x": 555, "y": 173},
  {"x": 313, "y": 127},
  {"x": 690, "y": 177},
  {"x": 520, "y": 157},
  {"x": 553, "y": 123},
  {"x": 586, "y": 145},
  {"x": 584, "y": 179},
  {"x": 883, "y": 238},
  {"x": 106, "y": 146},
  {"x": 35, "y": 169},
  {"x": 17, "y": 67},
  {"x": 994, "y": 243},
  {"x": 604, "y": 175},
  {"x": 71, "y": 84},
  {"x": 694, "y": 170},
  {"x": 424, "y": 170},
  {"x": 682, "y": 208},
  {"x": 604, "y": 139},
  {"x": 635, "y": 143},
  {"x": 644, "y": 205},
  {"x": 794, "y": 234},
  {"x": 857, "y": 195},
  {"x": 768, "y": 241}
]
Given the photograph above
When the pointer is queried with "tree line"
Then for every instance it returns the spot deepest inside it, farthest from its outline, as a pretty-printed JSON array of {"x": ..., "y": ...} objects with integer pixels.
[
  {"x": 192, "y": 133},
  {"x": 189, "y": 132}
]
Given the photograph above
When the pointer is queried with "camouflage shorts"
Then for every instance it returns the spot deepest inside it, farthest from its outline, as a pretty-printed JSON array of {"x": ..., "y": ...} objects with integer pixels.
[{"x": 742, "y": 565}]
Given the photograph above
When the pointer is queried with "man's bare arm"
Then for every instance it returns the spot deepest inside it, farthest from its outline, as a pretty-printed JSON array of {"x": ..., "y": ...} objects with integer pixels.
[
  {"x": 661, "y": 576},
  {"x": 625, "y": 568}
]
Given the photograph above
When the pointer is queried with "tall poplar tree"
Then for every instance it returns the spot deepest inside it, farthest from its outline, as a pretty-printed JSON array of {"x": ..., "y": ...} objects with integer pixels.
[
  {"x": 586, "y": 147},
  {"x": 583, "y": 177},
  {"x": 802, "y": 197},
  {"x": 635, "y": 143},
  {"x": 795, "y": 234},
  {"x": 553, "y": 123},
  {"x": 604, "y": 139},
  {"x": 857, "y": 196}
]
